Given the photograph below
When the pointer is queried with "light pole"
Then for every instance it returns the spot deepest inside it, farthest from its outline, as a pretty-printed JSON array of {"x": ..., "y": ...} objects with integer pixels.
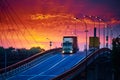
[
  {"x": 86, "y": 34},
  {"x": 75, "y": 26},
  {"x": 86, "y": 47},
  {"x": 82, "y": 20},
  {"x": 105, "y": 34},
  {"x": 99, "y": 27},
  {"x": 104, "y": 29},
  {"x": 111, "y": 36},
  {"x": 91, "y": 17}
]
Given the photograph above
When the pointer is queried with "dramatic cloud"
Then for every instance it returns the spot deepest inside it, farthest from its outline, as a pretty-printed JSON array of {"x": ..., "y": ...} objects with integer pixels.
[{"x": 31, "y": 21}]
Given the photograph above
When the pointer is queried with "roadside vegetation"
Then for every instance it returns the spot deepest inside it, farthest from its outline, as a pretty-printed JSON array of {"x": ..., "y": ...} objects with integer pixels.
[
  {"x": 116, "y": 58},
  {"x": 15, "y": 55}
]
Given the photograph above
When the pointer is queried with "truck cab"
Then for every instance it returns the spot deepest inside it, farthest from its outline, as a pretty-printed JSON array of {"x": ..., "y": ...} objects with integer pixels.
[
  {"x": 69, "y": 44},
  {"x": 67, "y": 47}
]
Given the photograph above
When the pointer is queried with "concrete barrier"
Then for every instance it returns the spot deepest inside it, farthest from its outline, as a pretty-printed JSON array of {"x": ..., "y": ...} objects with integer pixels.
[
  {"x": 81, "y": 66},
  {"x": 23, "y": 62}
]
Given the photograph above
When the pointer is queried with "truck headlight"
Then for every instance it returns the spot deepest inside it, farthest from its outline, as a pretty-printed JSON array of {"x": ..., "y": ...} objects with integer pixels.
[
  {"x": 71, "y": 51},
  {"x": 63, "y": 51}
]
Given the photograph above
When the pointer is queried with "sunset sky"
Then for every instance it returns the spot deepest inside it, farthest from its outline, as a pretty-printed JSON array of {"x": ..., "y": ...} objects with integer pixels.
[{"x": 28, "y": 23}]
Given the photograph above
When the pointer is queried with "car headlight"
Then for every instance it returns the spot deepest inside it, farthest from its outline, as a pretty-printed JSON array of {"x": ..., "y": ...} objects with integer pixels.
[{"x": 63, "y": 51}]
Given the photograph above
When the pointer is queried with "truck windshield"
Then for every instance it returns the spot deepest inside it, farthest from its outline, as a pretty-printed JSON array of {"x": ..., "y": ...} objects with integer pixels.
[{"x": 67, "y": 44}]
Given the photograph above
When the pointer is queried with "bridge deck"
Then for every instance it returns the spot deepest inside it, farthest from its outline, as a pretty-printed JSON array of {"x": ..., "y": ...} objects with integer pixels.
[{"x": 50, "y": 67}]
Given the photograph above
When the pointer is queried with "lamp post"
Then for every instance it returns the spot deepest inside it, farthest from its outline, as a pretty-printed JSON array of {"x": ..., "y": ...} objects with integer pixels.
[
  {"x": 75, "y": 26},
  {"x": 105, "y": 34},
  {"x": 86, "y": 45},
  {"x": 111, "y": 36},
  {"x": 91, "y": 17},
  {"x": 86, "y": 31},
  {"x": 99, "y": 27},
  {"x": 86, "y": 34},
  {"x": 82, "y": 20},
  {"x": 105, "y": 31}
]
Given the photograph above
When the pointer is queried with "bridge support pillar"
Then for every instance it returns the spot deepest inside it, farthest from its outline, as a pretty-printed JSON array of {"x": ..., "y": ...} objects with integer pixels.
[{"x": 100, "y": 69}]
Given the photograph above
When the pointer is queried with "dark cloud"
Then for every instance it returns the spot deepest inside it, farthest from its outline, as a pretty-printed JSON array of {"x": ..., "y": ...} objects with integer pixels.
[{"x": 102, "y": 8}]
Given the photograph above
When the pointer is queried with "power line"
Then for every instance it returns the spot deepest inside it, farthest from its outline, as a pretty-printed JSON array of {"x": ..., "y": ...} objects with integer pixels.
[
  {"x": 14, "y": 21},
  {"x": 21, "y": 22}
]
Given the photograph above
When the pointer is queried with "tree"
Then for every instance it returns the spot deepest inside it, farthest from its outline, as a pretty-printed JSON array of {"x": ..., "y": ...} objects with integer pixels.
[{"x": 116, "y": 57}]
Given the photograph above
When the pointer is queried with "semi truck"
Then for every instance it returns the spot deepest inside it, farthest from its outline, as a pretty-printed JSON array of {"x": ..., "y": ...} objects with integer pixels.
[{"x": 70, "y": 44}]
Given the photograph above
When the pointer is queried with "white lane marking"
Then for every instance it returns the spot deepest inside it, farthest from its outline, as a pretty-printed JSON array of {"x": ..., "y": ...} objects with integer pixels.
[
  {"x": 48, "y": 75},
  {"x": 49, "y": 68},
  {"x": 38, "y": 75},
  {"x": 34, "y": 66},
  {"x": 79, "y": 60},
  {"x": 41, "y": 62},
  {"x": 83, "y": 56}
]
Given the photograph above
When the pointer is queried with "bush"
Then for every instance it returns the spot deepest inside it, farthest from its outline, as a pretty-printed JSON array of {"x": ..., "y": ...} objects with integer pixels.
[
  {"x": 15, "y": 55},
  {"x": 116, "y": 57}
]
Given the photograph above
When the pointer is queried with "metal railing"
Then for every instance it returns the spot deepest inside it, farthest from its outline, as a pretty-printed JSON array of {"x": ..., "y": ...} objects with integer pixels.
[
  {"x": 25, "y": 64},
  {"x": 82, "y": 65}
]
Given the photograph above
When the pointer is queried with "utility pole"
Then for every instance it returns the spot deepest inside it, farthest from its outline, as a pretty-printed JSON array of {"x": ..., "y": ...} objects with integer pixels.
[
  {"x": 50, "y": 42},
  {"x": 104, "y": 28},
  {"x": 99, "y": 19},
  {"x": 111, "y": 37},
  {"x": 86, "y": 31},
  {"x": 107, "y": 37}
]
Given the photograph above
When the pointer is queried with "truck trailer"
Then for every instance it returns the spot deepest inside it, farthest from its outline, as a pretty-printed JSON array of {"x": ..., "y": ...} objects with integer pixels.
[{"x": 70, "y": 44}]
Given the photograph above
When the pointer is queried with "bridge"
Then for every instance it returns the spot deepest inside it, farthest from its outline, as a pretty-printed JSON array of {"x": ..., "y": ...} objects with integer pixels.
[{"x": 51, "y": 64}]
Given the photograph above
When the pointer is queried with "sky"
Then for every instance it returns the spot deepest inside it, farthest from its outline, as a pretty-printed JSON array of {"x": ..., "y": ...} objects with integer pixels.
[{"x": 28, "y": 23}]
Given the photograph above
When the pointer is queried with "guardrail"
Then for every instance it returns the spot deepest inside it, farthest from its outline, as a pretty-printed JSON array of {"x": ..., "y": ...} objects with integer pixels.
[
  {"x": 81, "y": 66},
  {"x": 24, "y": 64}
]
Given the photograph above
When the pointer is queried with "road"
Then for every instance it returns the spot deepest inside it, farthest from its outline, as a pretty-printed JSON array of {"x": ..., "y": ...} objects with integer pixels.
[{"x": 50, "y": 67}]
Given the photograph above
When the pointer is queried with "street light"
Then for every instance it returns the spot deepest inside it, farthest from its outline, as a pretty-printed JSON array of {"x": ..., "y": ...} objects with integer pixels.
[
  {"x": 111, "y": 36},
  {"x": 82, "y": 20},
  {"x": 105, "y": 33},
  {"x": 85, "y": 31},
  {"x": 91, "y": 17},
  {"x": 75, "y": 26},
  {"x": 86, "y": 34},
  {"x": 104, "y": 29},
  {"x": 99, "y": 19},
  {"x": 99, "y": 24},
  {"x": 86, "y": 44}
]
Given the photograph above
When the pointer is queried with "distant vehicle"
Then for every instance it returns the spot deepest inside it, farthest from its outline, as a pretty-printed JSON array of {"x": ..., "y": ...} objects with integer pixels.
[
  {"x": 69, "y": 44},
  {"x": 94, "y": 42}
]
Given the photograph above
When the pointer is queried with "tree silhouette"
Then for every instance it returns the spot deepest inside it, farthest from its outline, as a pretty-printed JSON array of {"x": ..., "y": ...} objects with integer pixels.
[
  {"x": 116, "y": 57},
  {"x": 15, "y": 55}
]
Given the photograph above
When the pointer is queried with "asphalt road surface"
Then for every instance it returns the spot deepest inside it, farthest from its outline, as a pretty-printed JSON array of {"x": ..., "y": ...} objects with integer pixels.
[{"x": 50, "y": 67}]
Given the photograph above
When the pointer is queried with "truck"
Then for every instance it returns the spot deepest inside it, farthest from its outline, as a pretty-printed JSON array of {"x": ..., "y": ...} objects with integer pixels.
[
  {"x": 70, "y": 44},
  {"x": 94, "y": 42}
]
